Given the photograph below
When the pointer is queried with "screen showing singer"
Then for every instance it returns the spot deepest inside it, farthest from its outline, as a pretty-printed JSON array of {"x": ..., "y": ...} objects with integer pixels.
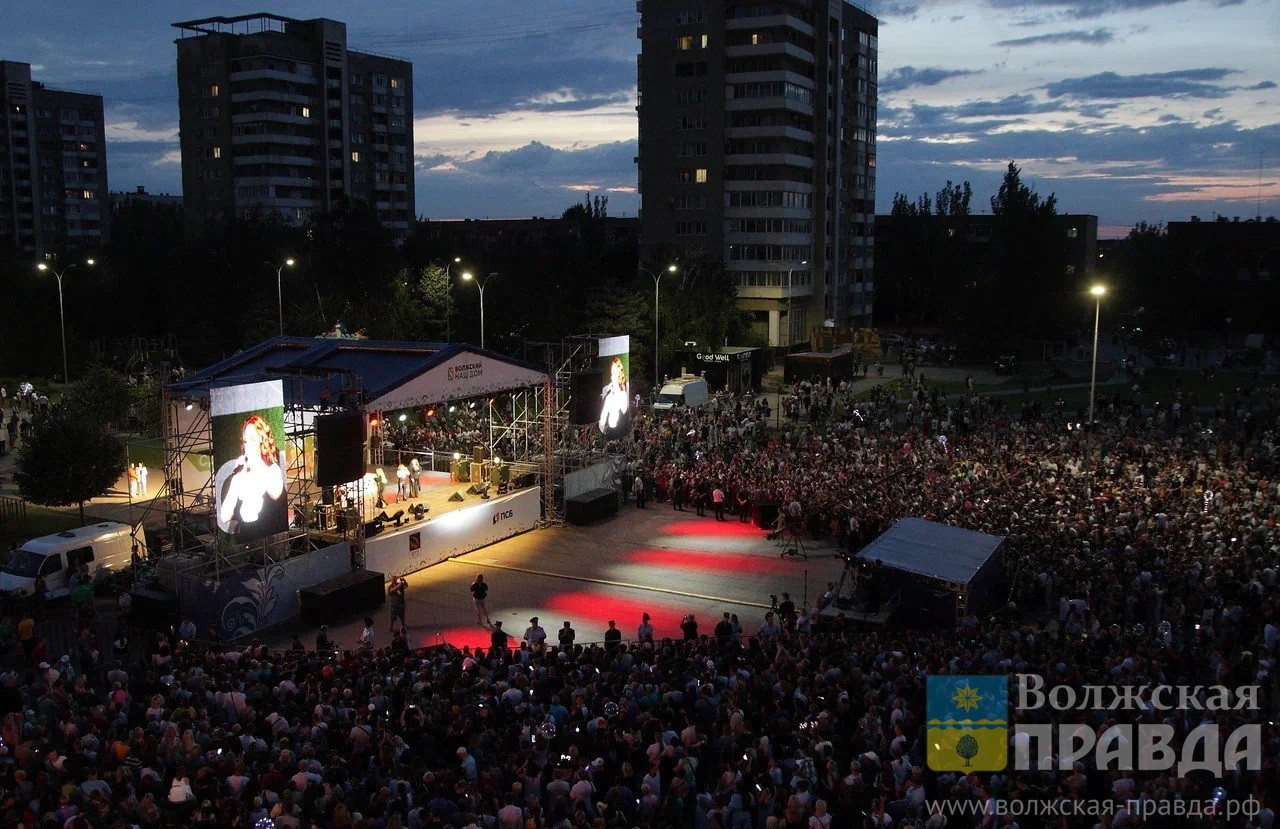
[
  {"x": 250, "y": 487},
  {"x": 613, "y": 410}
]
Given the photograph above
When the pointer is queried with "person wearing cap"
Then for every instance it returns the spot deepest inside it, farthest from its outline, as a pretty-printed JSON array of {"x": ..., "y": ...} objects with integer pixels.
[{"x": 534, "y": 635}]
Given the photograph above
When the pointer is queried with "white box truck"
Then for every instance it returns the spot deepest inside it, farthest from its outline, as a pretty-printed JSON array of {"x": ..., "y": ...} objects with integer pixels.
[
  {"x": 690, "y": 392},
  {"x": 103, "y": 549}
]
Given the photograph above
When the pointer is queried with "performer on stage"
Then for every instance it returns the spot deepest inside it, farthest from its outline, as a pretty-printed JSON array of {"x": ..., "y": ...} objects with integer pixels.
[
  {"x": 615, "y": 397},
  {"x": 253, "y": 503}
]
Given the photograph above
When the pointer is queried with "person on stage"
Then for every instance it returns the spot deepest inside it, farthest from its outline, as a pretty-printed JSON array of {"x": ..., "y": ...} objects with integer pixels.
[
  {"x": 253, "y": 500},
  {"x": 615, "y": 398}
]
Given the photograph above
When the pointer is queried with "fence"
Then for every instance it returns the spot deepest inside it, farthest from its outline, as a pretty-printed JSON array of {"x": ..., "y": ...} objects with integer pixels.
[{"x": 13, "y": 512}]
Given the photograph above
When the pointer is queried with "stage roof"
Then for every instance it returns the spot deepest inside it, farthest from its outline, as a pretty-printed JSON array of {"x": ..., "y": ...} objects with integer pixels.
[
  {"x": 394, "y": 375},
  {"x": 931, "y": 549}
]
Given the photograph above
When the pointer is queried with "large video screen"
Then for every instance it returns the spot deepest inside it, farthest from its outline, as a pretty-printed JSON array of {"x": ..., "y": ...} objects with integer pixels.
[
  {"x": 249, "y": 458},
  {"x": 614, "y": 361}
]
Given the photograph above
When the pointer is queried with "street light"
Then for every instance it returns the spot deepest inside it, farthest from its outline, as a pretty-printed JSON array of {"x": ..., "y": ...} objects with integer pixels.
[
  {"x": 480, "y": 284},
  {"x": 790, "y": 333},
  {"x": 1098, "y": 292},
  {"x": 657, "y": 280},
  {"x": 448, "y": 299},
  {"x": 279, "y": 293},
  {"x": 62, "y": 319}
]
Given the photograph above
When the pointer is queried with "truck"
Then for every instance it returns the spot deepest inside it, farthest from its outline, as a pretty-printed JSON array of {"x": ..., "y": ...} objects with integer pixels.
[
  {"x": 687, "y": 392},
  {"x": 104, "y": 548}
]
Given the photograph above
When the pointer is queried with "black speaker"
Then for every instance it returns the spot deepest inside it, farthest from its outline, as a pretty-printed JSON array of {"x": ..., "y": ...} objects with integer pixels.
[
  {"x": 527, "y": 479},
  {"x": 591, "y": 505},
  {"x": 345, "y": 595},
  {"x": 339, "y": 448},
  {"x": 372, "y": 528},
  {"x": 765, "y": 514},
  {"x": 457, "y": 496},
  {"x": 585, "y": 386}
]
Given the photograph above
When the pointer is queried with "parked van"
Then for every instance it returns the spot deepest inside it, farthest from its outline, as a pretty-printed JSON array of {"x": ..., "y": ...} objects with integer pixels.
[
  {"x": 103, "y": 548},
  {"x": 682, "y": 391}
]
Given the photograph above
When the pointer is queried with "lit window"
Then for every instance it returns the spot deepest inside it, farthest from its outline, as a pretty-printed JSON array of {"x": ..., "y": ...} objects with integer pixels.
[
  {"x": 755, "y": 39},
  {"x": 684, "y": 42},
  {"x": 213, "y": 90},
  {"x": 86, "y": 195},
  {"x": 700, "y": 175},
  {"x": 306, "y": 112},
  {"x": 704, "y": 41},
  {"x": 217, "y": 152},
  {"x": 395, "y": 83},
  {"x": 355, "y": 156}
]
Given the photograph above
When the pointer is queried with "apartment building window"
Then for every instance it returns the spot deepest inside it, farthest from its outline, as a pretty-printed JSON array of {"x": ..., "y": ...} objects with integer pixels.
[
  {"x": 355, "y": 156},
  {"x": 691, "y": 122},
  {"x": 689, "y": 202},
  {"x": 691, "y": 228},
  {"x": 357, "y": 100},
  {"x": 306, "y": 112},
  {"x": 356, "y": 80},
  {"x": 261, "y": 191},
  {"x": 1072, "y": 233},
  {"x": 357, "y": 138},
  {"x": 686, "y": 42},
  {"x": 87, "y": 195},
  {"x": 691, "y": 69},
  {"x": 379, "y": 80},
  {"x": 691, "y": 96},
  {"x": 208, "y": 70},
  {"x": 211, "y": 91},
  {"x": 692, "y": 176},
  {"x": 691, "y": 149},
  {"x": 396, "y": 83},
  {"x": 700, "y": 175},
  {"x": 209, "y": 112},
  {"x": 694, "y": 15}
]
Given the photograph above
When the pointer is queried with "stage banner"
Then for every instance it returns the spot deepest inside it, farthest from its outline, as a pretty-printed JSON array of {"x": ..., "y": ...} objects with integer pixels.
[
  {"x": 404, "y": 551},
  {"x": 466, "y": 374},
  {"x": 614, "y": 362},
  {"x": 249, "y": 455}
]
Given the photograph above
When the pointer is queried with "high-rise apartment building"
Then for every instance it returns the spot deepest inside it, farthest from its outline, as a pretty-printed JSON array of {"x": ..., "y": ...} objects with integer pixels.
[
  {"x": 278, "y": 114},
  {"x": 53, "y": 166},
  {"x": 757, "y": 147}
]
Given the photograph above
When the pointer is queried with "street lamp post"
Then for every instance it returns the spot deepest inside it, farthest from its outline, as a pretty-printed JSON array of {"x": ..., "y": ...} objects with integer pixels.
[
  {"x": 62, "y": 319},
  {"x": 279, "y": 290},
  {"x": 790, "y": 270},
  {"x": 657, "y": 280},
  {"x": 448, "y": 300},
  {"x": 480, "y": 283},
  {"x": 1098, "y": 292}
]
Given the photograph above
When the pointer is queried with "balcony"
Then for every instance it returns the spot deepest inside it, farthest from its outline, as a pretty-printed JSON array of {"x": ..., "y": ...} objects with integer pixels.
[
  {"x": 770, "y": 159},
  {"x": 776, "y": 102},
  {"x": 274, "y": 117},
  {"x": 274, "y": 138},
  {"x": 747, "y": 50},
  {"x": 773, "y": 21},
  {"x": 271, "y": 158},
  {"x": 268, "y": 95},
  {"x": 272, "y": 75}
]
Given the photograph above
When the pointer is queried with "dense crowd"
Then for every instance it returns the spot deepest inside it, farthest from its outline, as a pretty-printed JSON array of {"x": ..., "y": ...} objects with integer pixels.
[{"x": 1152, "y": 563}]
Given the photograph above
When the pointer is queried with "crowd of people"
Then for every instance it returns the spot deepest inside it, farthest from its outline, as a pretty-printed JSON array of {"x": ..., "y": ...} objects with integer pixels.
[{"x": 1149, "y": 558}]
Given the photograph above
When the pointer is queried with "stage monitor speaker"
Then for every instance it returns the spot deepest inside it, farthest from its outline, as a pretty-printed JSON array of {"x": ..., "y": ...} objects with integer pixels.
[
  {"x": 585, "y": 386},
  {"x": 527, "y": 479},
  {"x": 457, "y": 496},
  {"x": 372, "y": 528},
  {"x": 477, "y": 454},
  {"x": 339, "y": 448},
  {"x": 345, "y": 595}
]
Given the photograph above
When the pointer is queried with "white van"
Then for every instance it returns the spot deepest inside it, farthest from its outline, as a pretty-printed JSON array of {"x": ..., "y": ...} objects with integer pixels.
[
  {"x": 682, "y": 391},
  {"x": 104, "y": 548}
]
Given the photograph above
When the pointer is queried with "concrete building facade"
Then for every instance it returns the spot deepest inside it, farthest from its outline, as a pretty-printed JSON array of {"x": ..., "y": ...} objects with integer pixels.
[
  {"x": 53, "y": 167},
  {"x": 278, "y": 114},
  {"x": 757, "y": 149}
]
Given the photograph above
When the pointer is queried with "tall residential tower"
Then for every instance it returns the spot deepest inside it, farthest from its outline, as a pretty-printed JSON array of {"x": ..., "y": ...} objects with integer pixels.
[
  {"x": 278, "y": 114},
  {"x": 757, "y": 147},
  {"x": 53, "y": 166}
]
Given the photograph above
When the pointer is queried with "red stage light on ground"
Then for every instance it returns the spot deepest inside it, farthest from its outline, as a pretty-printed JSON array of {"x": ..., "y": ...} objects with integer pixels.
[
  {"x": 665, "y": 616},
  {"x": 469, "y": 637},
  {"x": 705, "y": 562},
  {"x": 730, "y": 527}
]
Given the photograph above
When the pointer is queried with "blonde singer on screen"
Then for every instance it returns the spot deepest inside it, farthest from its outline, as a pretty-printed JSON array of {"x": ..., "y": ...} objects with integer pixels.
[
  {"x": 252, "y": 486},
  {"x": 615, "y": 397}
]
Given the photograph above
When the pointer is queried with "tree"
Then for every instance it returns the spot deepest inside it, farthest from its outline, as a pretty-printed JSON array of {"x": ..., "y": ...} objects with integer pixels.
[
  {"x": 68, "y": 460},
  {"x": 967, "y": 748},
  {"x": 101, "y": 396}
]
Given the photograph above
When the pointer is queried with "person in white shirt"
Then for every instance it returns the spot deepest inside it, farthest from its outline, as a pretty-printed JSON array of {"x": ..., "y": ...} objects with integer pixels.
[{"x": 535, "y": 635}]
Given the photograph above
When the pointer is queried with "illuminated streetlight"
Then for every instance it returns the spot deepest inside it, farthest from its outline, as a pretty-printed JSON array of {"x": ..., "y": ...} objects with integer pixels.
[
  {"x": 1098, "y": 292},
  {"x": 448, "y": 298},
  {"x": 288, "y": 263},
  {"x": 62, "y": 319},
  {"x": 480, "y": 283},
  {"x": 657, "y": 280}
]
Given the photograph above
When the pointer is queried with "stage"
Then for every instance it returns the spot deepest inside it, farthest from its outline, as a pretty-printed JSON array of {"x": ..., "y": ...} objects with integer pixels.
[
  {"x": 654, "y": 561},
  {"x": 456, "y": 522}
]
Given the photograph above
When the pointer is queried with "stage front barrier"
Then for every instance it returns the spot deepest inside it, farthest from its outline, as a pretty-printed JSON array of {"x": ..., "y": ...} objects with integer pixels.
[
  {"x": 247, "y": 601},
  {"x": 423, "y": 543}
]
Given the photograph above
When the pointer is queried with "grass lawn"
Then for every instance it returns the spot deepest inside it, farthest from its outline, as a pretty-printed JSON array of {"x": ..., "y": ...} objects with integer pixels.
[{"x": 40, "y": 521}]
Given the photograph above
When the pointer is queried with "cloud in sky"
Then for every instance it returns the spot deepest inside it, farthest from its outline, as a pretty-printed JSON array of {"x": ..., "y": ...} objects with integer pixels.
[
  {"x": 520, "y": 104},
  {"x": 1096, "y": 36}
]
